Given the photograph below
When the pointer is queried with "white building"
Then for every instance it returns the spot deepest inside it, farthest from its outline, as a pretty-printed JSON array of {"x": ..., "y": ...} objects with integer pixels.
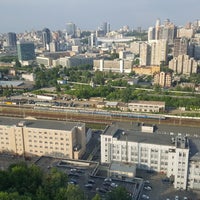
[{"x": 152, "y": 149}]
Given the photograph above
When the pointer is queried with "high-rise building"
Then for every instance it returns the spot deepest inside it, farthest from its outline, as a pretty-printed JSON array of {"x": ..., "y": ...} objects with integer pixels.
[
  {"x": 183, "y": 64},
  {"x": 158, "y": 52},
  {"x": 105, "y": 27},
  {"x": 145, "y": 54},
  {"x": 163, "y": 79},
  {"x": 151, "y": 33},
  {"x": 180, "y": 47},
  {"x": 25, "y": 51},
  {"x": 11, "y": 39},
  {"x": 71, "y": 29},
  {"x": 46, "y": 38}
]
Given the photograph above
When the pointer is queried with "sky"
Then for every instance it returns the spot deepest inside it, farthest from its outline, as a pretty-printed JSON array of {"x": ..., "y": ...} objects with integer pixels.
[{"x": 25, "y": 15}]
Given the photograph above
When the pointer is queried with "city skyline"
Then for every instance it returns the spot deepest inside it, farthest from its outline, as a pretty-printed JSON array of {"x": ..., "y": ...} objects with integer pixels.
[{"x": 21, "y": 15}]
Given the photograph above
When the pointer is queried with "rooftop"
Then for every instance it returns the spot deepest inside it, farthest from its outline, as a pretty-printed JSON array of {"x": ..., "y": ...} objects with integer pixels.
[{"x": 43, "y": 124}]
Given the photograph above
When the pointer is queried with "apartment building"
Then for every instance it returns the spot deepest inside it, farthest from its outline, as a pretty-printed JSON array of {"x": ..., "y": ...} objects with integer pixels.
[
  {"x": 42, "y": 137},
  {"x": 146, "y": 106},
  {"x": 160, "y": 148},
  {"x": 183, "y": 64},
  {"x": 164, "y": 79}
]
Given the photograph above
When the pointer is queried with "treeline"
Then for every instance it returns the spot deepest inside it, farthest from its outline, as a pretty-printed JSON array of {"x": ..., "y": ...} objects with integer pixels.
[{"x": 23, "y": 182}]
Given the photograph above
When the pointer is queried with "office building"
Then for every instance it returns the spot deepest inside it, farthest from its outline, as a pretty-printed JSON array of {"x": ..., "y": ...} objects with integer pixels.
[
  {"x": 11, "y": 39},
  {"x": 42, "y": 137},
  {"x": 164, "y": 149},
  {"x": 25, "y": 51},
  {"x": 46, "y": 38},
  {"x": 71, "y": 29},
  {"x": 117, "y": 65}
]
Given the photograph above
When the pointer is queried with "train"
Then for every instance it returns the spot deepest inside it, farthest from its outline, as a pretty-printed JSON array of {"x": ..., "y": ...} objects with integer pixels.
[{"x": 101, "y": 112}]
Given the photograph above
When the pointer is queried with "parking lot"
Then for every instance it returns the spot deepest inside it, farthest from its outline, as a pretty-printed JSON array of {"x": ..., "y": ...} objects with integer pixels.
[
  {"x": 83, "y": 173},
  {"x": 164, "y": 190}
]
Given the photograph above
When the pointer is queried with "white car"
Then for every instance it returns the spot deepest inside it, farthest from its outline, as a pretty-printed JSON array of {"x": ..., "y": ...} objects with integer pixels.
[
  {"x": 148, "y": 188},
  {"x": 176, "y": 197},
  {"x": 144, "y": 196},
  {"x": 107, "y": 179},
  {"x": 113, "y": 185}
]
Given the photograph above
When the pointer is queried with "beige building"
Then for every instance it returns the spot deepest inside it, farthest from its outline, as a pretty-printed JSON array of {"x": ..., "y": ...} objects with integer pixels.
[
  {"x": 147, "y": 106},
  {"x": 42, "y": 137},
  {"x": 183, "y": 64},
  {"x": 158, "y": 51},
  {"x": 163, "y": 79}
]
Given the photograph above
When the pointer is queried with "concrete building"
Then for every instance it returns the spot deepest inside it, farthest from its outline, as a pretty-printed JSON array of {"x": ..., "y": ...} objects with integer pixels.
[
  {"x": 185, "y": 32},
  {"x": 75, "y": 61},
  {"x": 183, "y": 64},
  {"x": 41, "y": 137},
  {"x": 159, "y": 50},
  {"x": 145, "y": 54},
  {"x": 146, "y": 106},
  {"x": 164, "y": 79},
  {"x": 117, "y": 65},
  {"x": 180, "y": 47},
  {"x": 159, "y": 148}
]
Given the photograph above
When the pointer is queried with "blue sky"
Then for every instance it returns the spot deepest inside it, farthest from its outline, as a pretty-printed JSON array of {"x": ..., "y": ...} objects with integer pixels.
[{"x": 21, "y": 15}]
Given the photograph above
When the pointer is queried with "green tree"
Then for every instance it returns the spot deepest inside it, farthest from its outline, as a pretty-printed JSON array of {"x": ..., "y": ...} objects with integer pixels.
[
  {"x": 119, "y": 193},
  {"x": 96, "y": 197}
]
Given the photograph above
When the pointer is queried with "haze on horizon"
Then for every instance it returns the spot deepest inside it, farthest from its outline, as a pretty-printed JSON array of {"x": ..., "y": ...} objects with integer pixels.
[{"x": 22, "y": 15}]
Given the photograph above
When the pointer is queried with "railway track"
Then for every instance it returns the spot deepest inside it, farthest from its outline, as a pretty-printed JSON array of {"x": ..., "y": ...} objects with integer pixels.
[{"x": 23, "y": 112}]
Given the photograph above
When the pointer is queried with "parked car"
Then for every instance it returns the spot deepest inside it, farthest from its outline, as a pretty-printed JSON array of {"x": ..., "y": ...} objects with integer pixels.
[
  {"x": 91, "y": 181},
  {"x": 107, "y": 179},
  {"x": 88, "y": 186},
  {"x": 148, "y": 188},
  {"x": 144, "y": 196}
]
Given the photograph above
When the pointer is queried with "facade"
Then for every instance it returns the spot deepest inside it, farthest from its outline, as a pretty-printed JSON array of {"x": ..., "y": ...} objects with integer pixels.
[
  {"x": 46, "y": 38},
  {"x": 183, "y": 64},
  {"x": 11, "y": 39},
  {"x": 146, "y": 70},
  {"x": 75, "y": 61},
  {"x": 145, "y": 54},
  {"x": 25, "y": 51},
  {"x": 164, "y": 79},
  {"x": 180, "y": 47},
  {"x": 71, "y": 29},
  {"x": 42, "y": 137},
  {"x": 118, "y": 65},
  {"x": 159, "y": 52},
  {"x": 146, "y": 106},
  {"x": 158, "y": 148}
]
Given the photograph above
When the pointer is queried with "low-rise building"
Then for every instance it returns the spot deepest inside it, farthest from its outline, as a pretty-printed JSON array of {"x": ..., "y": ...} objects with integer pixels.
[
  {"x": 147, "y": 106},
  {"x": 42, "y": 137},
  {"x": 169, "y": 150}
]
